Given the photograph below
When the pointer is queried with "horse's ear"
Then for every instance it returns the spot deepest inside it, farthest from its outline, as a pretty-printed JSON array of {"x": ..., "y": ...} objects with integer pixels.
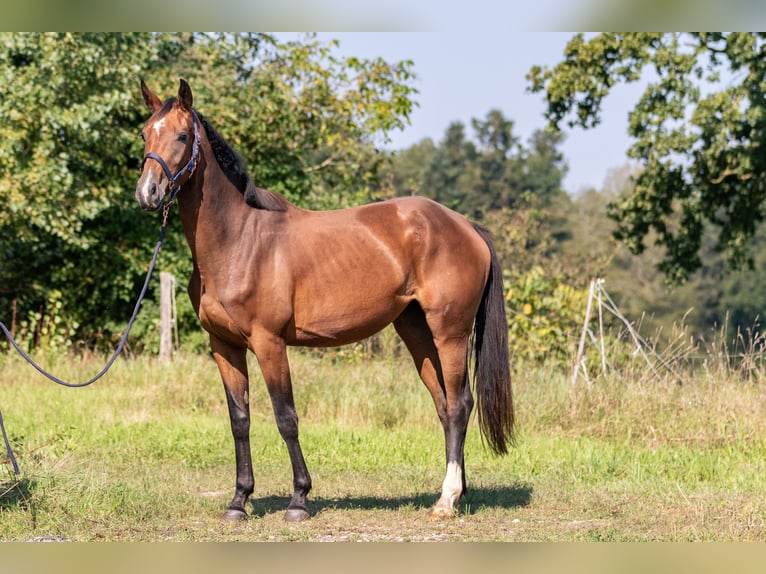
[
  {"x": 185, "y": 95},
  {"x": 152, "y": 102}
]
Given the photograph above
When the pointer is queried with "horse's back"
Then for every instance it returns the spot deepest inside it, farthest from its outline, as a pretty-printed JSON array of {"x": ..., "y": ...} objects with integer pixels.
[
  {"x": 416, "y": 234},
  {"x": 355, "y": 270}
]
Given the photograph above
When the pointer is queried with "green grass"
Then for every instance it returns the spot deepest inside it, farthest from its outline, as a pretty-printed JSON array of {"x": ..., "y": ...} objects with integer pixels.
[{"x": 146, "y": 454}]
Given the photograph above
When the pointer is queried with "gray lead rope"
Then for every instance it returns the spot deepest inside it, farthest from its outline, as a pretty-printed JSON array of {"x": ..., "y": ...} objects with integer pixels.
[
  {"x": 114, "y": 356},
  {"x": 175, "y": 187},
  {"x": 8, "y": 446}
]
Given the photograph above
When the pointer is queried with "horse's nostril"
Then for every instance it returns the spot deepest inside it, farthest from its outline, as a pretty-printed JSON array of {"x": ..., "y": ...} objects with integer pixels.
[{"x": 153, "y": 190}]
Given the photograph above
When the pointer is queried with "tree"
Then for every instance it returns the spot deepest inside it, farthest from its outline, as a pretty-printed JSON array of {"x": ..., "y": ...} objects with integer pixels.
[
  {"x": 542, "y": 168},
  {"x": 491, "y": 171},
  {"x": 73, "y": 245},
  {"x": 408, "y": 168},
  {"x": 68, "y": 153},
  {"x": 450, "y": 177},
  {"x": 497, "y": 160},
  {"x": 699, "y": 134},
  {"x": 711, "y": 300},
  {"x": 308, "y": 123}
]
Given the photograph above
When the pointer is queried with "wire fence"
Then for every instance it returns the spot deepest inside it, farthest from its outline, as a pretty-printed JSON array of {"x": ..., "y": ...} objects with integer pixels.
[{"x": 672, "y": 361}]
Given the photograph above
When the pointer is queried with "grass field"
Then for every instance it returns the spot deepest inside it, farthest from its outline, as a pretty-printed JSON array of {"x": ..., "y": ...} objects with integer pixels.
[{"x": 146, "y": 455}]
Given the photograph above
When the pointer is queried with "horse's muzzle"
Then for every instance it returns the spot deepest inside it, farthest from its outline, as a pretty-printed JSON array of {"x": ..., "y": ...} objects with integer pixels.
[{"x": 149, "y": 193}]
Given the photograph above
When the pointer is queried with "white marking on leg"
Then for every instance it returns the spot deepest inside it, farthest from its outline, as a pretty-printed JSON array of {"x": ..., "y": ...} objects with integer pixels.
[
  {"x": 452, "y": 486},
  {"x": 158, "y": 126}
]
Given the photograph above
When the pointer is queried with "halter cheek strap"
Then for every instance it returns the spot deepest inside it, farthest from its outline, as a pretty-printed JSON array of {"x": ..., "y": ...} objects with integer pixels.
[{"x": 175, "y": 187}]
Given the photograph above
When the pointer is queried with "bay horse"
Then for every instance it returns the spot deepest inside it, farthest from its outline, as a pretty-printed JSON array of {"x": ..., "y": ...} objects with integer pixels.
[{"x": 268, "y": 274}]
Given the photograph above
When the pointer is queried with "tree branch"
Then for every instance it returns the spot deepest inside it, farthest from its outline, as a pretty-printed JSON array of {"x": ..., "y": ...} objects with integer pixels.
[
  {"x": 730, "y": 172},
  {"x": 326, "y": 163}
]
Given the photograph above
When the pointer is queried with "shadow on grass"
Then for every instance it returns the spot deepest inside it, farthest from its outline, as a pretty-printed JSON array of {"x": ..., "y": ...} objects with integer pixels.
[
  {"x": 17, "y": 493},
  {"x": 475, "y": 500}
]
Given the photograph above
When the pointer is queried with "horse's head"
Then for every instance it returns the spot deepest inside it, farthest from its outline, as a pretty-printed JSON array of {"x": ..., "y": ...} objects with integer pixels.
[{"x": 171, "y": 147}]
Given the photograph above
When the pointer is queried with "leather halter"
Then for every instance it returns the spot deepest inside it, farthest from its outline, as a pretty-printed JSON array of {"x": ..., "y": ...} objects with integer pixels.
[{"x": 175, "y": 187}]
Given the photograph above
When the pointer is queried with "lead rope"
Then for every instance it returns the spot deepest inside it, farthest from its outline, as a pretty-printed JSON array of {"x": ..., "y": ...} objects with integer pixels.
[{"x": 120, "y": 346}]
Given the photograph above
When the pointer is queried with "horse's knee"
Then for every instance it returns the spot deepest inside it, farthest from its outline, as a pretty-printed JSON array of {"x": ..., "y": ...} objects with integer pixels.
[
  {"x": 239, "y": 415},
  {"x": 287, "y": 423}
]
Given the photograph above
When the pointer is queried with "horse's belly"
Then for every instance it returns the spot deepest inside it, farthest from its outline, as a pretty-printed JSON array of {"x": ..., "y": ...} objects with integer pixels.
[{"x": 343, "y": 322}]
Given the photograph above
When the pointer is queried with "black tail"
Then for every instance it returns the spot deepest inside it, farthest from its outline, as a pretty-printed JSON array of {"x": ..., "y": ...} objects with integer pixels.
[{"x": 492, "y": 376}]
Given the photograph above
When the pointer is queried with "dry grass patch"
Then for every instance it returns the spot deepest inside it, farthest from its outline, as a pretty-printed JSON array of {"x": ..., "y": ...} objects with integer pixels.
[{"x": 147, "y": 455}]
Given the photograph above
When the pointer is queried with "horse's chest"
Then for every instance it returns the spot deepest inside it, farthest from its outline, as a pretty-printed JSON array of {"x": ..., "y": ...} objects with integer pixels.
[{"x": 215, "y": 319}]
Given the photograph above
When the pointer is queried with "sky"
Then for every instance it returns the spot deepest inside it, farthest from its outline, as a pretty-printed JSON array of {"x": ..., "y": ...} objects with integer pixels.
[{"x": 461, "y": 76}]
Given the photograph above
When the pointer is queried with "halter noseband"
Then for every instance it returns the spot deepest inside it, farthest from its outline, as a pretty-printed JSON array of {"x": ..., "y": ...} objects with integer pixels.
[{"x": 175, "y": 187}]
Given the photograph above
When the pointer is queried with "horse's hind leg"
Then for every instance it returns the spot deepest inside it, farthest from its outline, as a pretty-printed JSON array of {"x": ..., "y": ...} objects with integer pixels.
[
  {"x": 232, "y": 363},
  {"x": 272, "y": 357},
  {"x": 459, "y": 403},
  {"x": 442, "y": 367}
]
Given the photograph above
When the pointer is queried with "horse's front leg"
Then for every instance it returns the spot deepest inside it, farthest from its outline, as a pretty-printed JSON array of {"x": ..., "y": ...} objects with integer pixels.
[
  {"x": 272, "y": 358},
  {"x": 232, "y": 363}
]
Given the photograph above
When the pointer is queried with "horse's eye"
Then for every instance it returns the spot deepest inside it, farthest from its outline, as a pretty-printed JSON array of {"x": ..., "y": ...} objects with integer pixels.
[
  {"x": 143, "y": 137},
  {"x": 183, "y": 137}
]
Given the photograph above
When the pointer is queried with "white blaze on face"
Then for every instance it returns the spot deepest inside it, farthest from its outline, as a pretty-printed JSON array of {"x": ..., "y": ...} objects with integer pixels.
[
  {"x": 158, "y": 125},
  {"x": 148, "y": 181},
  {"x": 143, "y": 191}
]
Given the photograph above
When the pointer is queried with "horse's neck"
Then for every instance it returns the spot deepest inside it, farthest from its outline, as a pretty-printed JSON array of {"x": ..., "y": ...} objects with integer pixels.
[{"x": 212, "y": 211}]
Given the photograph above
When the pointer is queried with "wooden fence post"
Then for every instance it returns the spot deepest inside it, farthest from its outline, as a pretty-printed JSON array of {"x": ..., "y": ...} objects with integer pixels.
[{"x": 166, "y": 320}]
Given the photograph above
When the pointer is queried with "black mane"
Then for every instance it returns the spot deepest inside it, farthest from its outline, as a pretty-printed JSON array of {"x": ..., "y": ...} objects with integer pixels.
[{"x": 232, "y": 165}]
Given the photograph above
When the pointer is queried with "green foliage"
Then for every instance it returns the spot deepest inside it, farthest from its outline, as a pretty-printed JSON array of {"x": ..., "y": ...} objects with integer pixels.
[
  {"x": 698, "y": 134},
  {"x": 491, "y": 171},
  {"x": 68, "y": 153},
  {"x": 714, "y": 297},
  {"x": 73, "y": 244},
  {"x": 545, "y": 316},
  {"x": 46, "y": 329},
  {"x": 307, "y": 122}
]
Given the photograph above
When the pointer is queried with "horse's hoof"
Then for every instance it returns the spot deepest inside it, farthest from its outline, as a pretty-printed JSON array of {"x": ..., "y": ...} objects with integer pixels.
[
  {"x": 441, "y": 513},
  {"x": 234, "y": 515},
  {"x": 296, "y": 515}
]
